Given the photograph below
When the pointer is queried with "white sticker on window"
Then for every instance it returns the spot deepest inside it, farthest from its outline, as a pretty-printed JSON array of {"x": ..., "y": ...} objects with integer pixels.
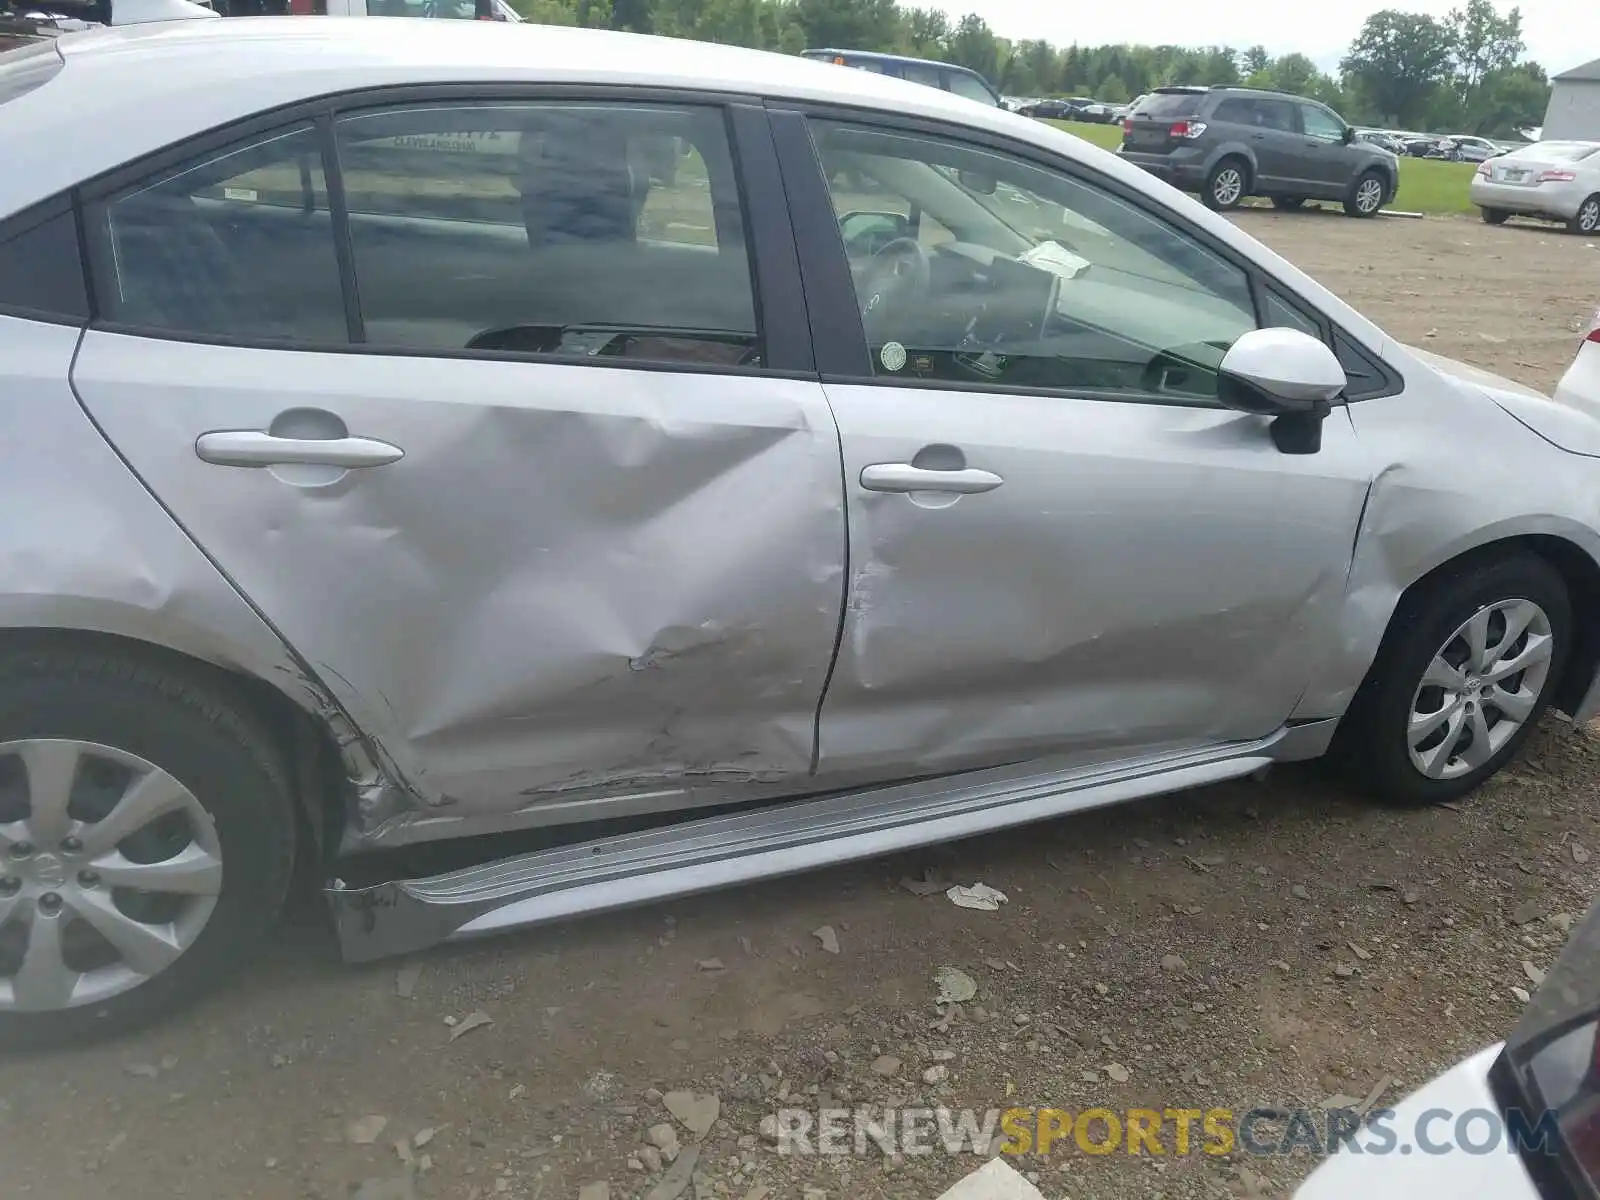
[
  {"x": 229, "y": 193},
  {"x": 892, "y": 356}
]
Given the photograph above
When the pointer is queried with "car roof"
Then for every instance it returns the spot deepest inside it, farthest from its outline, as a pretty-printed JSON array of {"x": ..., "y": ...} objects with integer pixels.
[
  {"x": 129, "y": 90},
  {"x": 880, "y": 56}
]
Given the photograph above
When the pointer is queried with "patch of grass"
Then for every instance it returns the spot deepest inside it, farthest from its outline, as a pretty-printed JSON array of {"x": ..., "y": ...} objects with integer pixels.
[
  {"x": 1431, "y": 186},
  {"x": 1426, "y": 185}
]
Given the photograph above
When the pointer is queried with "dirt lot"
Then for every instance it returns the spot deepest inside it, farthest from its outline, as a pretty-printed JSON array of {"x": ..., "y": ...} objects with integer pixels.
[{"x": 1253, "y": 944}]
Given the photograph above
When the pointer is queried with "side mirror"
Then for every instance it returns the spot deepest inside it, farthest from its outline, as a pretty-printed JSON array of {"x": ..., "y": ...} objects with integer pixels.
[
  {"x": 1286, "y": 374},
  {"x": 861, "y": 223},
  {"x": 1349, "y": 135}
]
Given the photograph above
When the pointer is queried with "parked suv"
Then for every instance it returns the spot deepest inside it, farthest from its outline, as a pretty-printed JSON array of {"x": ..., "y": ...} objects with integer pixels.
[{"x": 1229, "y": 143}]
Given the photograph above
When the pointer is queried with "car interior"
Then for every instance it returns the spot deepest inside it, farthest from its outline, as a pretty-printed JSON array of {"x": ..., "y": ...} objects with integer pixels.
[{"x": 1034, "y": 279}]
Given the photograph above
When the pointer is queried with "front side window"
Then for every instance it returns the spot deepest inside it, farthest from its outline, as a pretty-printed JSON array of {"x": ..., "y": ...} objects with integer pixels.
[
  {"x": 1039, "y": 280},
  {"x": 1320, "y": 123},
  {"x": 238, "y": 245},
  {"x": 597, "y": 230}
]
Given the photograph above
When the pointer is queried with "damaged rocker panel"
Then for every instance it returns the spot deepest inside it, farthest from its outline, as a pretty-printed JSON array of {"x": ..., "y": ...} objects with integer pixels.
[{"x": 635, "y": 868}]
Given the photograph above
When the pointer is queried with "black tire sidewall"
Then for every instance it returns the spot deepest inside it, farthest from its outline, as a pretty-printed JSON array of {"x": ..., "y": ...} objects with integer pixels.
[
  {"x": 1377, "y": 747},
  {"x": 213, "y": 748}
]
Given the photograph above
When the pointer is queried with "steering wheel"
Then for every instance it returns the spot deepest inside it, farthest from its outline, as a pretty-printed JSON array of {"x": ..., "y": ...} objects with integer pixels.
[{"x": 896, "y": 269}]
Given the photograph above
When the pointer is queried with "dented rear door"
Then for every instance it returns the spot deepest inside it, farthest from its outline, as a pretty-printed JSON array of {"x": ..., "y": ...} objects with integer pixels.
[{"x": 541, "y": 579}]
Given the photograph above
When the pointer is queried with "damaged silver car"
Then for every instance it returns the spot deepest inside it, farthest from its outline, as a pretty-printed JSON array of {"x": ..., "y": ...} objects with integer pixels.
[{"x": 713, "y": 462}]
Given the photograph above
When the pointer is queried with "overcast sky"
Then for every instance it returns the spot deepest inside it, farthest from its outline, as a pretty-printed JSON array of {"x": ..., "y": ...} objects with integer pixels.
[{"x": 1560, "y": 33}]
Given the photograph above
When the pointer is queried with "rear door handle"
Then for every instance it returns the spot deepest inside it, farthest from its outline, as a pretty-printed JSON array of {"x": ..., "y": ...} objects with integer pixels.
[
  {"x": 255, "y": 448},
  {"x": 903, "y": 477}
]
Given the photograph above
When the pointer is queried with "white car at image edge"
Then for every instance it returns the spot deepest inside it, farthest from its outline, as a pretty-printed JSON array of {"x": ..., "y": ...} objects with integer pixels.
[{"x": 1580, "y": 386}]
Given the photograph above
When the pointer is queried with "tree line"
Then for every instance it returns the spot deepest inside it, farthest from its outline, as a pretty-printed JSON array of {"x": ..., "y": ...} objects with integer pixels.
[{"x": 1465, "y": 73}]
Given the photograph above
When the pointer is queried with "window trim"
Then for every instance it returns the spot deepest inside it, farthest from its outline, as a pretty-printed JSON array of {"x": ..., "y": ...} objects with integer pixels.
[
  {"x": 28, "y": 220},
  {"x": 823, "y": 260},
  {"x": 776, "y": 295}
]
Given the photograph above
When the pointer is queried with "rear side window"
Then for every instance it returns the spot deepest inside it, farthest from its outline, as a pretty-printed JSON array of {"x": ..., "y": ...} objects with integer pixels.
[
  {"x": 26, "y": 68},
  {"x": 1236, "y": 110},
  {"x": 238, "y": 245},
  {"x": 604, "y": 231},
  {"x": 918, "y": 73},
  {"x": 1171, "y": 106},
  {"x": 969, "y": 87}
]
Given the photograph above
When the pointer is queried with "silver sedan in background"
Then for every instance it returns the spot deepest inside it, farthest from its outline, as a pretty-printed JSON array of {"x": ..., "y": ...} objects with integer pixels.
[
  {"x": 388, "y": 458},
  {"x": 1553, "y": 181}
]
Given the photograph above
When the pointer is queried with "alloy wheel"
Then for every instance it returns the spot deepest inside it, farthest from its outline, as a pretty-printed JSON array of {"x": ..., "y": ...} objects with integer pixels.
[
  {"x": 1589, "y": 215},
  {"x": 109, "y": 871},
  {"x": 1481, "y": 686},
  {"x": 1369, "y": 195},
  {"x": 1228, "y": 186}
]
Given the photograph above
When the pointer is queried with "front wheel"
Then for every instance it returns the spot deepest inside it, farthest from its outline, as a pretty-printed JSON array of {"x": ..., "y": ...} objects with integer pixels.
[
  {"x": 1587, "y": 219},
  {"x": 1366, "y": 195},
  {"x": 1225, "y": 185},
  {"x": 146, "y": 840},
  {"x": 1465, "y": 672}
]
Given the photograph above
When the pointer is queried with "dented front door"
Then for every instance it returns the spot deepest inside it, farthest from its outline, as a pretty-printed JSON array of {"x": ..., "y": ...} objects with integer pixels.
[{"x": 573, "y": 581}]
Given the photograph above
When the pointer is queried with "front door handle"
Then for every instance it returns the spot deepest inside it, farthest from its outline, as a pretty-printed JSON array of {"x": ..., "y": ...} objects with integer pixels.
[
  {"x": 255, "y": 448},
  {"x": 903, "y": 477}
]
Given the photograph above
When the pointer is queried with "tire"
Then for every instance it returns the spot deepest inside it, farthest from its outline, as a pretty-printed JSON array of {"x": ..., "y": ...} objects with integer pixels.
[
  {"x": 1288, "y": 203},
  {"x": 1366, "y": 194},
  {"x": 227, "y": 815},
  {"x": 1226, "y": 185},
  {"x": 1374, "y": 743},
  {"x": 1586, "y": 220},
  {"x": 1495, "y": 216}
]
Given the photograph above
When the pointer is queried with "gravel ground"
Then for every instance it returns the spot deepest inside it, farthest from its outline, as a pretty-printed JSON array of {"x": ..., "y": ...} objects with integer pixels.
[{"x": 1258, "y": 943}]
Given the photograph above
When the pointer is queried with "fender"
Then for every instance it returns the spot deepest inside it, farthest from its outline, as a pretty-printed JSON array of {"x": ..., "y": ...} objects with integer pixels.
[{"x": 89, "y": 549}]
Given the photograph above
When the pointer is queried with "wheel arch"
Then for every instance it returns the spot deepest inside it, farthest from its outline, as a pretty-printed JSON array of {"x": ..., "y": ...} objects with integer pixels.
[
  {"x": 1234, "y": 150},
  {"x": 287, "y": 709},
  {"x": 1578, "y": 570}
]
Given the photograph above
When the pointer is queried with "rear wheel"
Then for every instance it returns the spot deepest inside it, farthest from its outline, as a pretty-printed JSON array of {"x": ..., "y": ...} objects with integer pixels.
[
  {"x": 1288, "y": 203},
  {"x": 1226, "y": 185},
  {"x": 146, "y": 841},
  {"x": 1587, "y": 219},
  {"x": 1465, "y": 672},
  {"x": 1494, "y": 216},
  {"x": 1366, "y": 195}
]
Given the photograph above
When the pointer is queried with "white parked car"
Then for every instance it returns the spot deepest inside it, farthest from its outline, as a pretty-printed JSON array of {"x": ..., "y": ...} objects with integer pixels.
[
  {"x": 1580, "y": 386},
  {"x": 1517, "y": 1121},
  {"x": 1552, "y": 181}
]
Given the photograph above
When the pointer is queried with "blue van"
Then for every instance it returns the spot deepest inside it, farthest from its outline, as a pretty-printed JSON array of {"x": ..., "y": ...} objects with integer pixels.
[{"x": 947, "y": 78}]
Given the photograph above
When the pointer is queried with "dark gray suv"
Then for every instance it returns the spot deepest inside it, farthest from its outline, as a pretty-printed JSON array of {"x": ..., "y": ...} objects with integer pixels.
[{"x": 1228, "y": 143}]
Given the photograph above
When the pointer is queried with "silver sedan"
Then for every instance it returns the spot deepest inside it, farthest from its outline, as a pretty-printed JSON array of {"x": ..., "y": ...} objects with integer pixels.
[
  {"x": 719, "y": 463},
  {"x": 1554, "y": 181}
]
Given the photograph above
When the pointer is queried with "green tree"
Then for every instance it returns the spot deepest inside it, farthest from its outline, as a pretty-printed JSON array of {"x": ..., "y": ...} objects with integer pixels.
[
  {"x": 1112, "y": 90},
  {"x": 1484, "y": 42},
  {"x": 974, "y": 46},
  {"x": 924, "y": 32},
  {"x": 849, "y": 24},
  {"x": 1255, "y": 60},
  {"x": 1397, "y": 60}
]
